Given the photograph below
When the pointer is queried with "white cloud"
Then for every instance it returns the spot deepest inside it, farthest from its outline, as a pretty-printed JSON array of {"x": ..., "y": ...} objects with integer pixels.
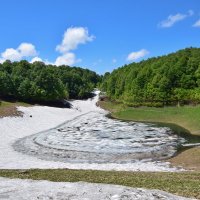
[
  {"x": 172, "y": 19},
  {"x": 36, "y": 59},
  {"x": 11, "y": 54},
  {"x": 66, "y": 59},
  {"x": 137, "y": 55},
  {"x": 24, "y": 50},
  {"x": 73, "y": 37},
  {"x": 197, "y": 23},
  {"x": 27, "y": 49}
]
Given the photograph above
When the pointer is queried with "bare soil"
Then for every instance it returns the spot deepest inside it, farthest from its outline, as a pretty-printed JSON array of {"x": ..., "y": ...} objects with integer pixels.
[
  {"x": 188, "y": 159},
  {"x": 10, "y": 111}
]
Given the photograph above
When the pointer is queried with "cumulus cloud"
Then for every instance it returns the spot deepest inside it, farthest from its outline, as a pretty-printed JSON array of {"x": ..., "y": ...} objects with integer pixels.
[
  {"x": 27, "y": 49},
  {"x": 36, "y": 59},
  {"x": 197, "y": 23},
  {"x": 23, "y": 51},
  {"x": 11, "y": 54},
  {"x": 73, "y": 37},
  {"x": 66, "y": 59},
  {"x": 172, "y": 19},
  {"x": 137, "y": 55}
]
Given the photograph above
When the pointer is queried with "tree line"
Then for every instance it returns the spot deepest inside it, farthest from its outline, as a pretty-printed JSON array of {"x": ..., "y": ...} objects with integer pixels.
[
  {"x": 38, "y": 82},
  {"x": 166, "y": 80}
]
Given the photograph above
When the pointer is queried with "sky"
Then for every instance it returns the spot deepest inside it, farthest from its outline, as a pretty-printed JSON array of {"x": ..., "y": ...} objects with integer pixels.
[{"x": 98, "y": 35}]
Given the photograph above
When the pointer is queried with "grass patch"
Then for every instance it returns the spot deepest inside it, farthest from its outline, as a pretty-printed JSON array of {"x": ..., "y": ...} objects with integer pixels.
[
  {"x": 8, "y": 104},
  {"x": 186, "y": 116},
  {"x": 185, "y": 184},
  {"x": 111, "y": 106},
  {"x": 8, "y": 109}
]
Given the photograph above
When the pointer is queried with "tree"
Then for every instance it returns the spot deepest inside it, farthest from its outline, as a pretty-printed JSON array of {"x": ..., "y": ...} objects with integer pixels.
[
  {"x": 166, "y": 79},
  {"x": 39, "y": 82}
]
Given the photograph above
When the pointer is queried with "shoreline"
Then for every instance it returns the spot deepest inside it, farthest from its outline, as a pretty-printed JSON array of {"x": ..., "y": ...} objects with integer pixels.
[
  {"x": 45, "y": 118},
  {"x": 115, "y": 107},
  {"x": 184, "y": 154},
  {"x": 159, "y": 123},
  {"x": 177, "y": 129},
  {"x": 26, "y": 126},
  {"x": 35, "y": 119},
  {"x": 181, "y": 183}
]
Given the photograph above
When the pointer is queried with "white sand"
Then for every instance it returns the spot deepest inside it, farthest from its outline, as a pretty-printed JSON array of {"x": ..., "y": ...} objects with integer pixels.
[{"x": 43, "y": 118}]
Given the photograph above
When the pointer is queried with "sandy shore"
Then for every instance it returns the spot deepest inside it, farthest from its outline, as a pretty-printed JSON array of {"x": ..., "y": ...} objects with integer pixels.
[
  {"x": 34, "y": 120},
  {"x": 40, "y": 118}
]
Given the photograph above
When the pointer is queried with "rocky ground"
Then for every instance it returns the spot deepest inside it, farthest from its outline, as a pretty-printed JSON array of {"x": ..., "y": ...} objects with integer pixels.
[{"x": 16, "y": 189}]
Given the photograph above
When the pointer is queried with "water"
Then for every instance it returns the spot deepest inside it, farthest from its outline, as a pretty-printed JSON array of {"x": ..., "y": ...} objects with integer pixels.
[{"x": 94, "y": 138}]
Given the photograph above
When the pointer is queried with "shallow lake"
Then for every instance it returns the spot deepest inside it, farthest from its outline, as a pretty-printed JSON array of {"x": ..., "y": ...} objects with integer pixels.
[{"x": 95, "y": 138}]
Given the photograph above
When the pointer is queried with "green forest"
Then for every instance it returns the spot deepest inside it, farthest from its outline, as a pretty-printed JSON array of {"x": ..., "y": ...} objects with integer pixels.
[
  {"x": 38, "y": 82},
  {"x": 173, "y": 79},
  {"x": 167, "y": 80}
]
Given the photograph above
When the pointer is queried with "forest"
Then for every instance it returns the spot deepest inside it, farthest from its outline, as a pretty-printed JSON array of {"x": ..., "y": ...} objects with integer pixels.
[
  {"x": 172, "y": 79},
  {"x": 38, "y": 82}
]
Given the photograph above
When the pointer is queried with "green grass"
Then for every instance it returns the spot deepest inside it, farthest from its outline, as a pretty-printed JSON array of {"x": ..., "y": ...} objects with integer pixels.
[
  {"x": 186, "y": 116},
  {"x": 185, "y": 184},
  {"x": 4, "y": 104},
  {"x": 112, "y": 107},
  {"x": 9, "y": 108}
]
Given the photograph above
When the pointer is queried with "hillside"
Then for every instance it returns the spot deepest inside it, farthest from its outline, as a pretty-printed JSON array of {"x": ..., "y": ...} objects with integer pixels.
[
  {"x": 167, "y": 80},
  {"x": 38, "y": 82}
]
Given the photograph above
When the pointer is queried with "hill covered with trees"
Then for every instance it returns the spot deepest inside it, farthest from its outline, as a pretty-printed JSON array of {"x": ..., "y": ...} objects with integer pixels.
[
  {"x": 38, "y": 82},
  {"x": 166, "y": 80}
]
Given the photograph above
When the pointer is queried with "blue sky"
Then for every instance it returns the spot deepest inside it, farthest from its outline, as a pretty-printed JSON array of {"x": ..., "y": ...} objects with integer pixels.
[{"x": 99, "y": 35}]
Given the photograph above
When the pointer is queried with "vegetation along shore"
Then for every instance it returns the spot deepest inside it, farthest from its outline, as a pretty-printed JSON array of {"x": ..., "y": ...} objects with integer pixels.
[{"x": 162, "y": 89}]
